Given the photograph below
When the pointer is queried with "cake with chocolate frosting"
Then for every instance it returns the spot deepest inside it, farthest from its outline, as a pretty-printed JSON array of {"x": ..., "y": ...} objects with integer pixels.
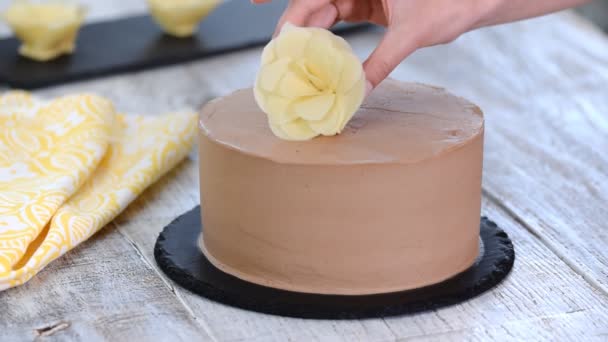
[{"x": 390, "y": 204}]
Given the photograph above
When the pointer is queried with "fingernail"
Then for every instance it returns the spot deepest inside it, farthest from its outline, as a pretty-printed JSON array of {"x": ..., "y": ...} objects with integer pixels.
[{"x": 368, "y": 88}]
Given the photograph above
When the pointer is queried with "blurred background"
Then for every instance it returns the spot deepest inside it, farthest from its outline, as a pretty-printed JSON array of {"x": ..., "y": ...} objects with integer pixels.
[
  {"x": 15, "y": 70},
  {"x": 596, "y": 11}
]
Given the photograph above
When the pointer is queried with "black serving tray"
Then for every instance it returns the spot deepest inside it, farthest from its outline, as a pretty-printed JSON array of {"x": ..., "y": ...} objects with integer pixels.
[{"x": 178, "y": 255}]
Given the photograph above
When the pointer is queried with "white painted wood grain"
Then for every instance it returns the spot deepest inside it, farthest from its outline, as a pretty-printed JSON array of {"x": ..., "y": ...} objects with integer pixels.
[
  {"x": 146, "y": 92},
  {"x": 103, "y": 290},
  {"x": 542, "y": 84},
  {"x": 542, "y": 299}
]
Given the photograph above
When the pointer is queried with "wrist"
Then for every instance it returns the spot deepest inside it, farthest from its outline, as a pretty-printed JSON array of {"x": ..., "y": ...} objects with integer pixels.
[{"x": 486, "y": 12}]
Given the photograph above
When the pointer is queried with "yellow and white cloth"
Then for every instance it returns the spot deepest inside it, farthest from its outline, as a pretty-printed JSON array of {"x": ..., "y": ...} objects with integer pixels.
[{"x": 68, "y": 167}]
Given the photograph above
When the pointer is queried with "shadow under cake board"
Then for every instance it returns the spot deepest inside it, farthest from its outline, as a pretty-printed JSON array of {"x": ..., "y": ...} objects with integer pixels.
[
  {"x": 137, "y": 43},
  {"x": 178, "y": 255}
]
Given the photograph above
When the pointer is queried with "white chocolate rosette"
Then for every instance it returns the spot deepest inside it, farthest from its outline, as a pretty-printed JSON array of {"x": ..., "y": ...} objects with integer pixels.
[
  {"x": 180, "y": 18},
  {"x": 46, "y": 30},
  {"x": 310, "y": 83}
]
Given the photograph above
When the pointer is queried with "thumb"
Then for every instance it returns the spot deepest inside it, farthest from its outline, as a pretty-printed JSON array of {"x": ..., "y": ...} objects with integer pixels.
[{"x": 391, "y": 51}]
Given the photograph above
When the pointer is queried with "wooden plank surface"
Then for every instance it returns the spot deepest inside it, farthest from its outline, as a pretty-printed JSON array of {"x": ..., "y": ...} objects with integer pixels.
[
  {"x": 542, "y": 84},
  {"x": 104, "y": 290}
]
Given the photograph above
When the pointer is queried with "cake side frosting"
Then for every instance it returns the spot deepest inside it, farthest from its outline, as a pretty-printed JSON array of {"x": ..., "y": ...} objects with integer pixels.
[{"x": 392, "y": 203}]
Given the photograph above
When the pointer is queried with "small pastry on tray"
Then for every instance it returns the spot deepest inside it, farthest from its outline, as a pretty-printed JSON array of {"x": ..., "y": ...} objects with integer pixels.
[
  {"x": 46, "y": 30},
  {"x": 180, "y": 18}
]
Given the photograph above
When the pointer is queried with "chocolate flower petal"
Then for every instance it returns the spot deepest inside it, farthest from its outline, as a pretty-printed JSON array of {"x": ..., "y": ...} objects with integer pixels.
[
  {"x": 294, "y": 86},
  {"x": 280, "y": 106},
  {"x": 352, "y": 100},
  {"x": 350, "y": 74},
  {"x": 333, "y": 122},
  {"x": 315, "y": 107},
  {"x": 310, "y": 83},
  {"x": 298, "y": 130},
  {"x": 268, "y": 54},
  {"x": 271, "y": 74},
  {"x": 324, "y": 60},
  {"x": 292, "y": 45}
]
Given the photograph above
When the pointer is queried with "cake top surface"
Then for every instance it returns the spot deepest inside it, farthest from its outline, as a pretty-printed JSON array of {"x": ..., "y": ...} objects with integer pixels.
[{"x": 398, "y": 123}]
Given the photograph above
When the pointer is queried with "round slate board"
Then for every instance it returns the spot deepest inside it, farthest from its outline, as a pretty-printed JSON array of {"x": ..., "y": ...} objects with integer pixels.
[{"x": 177, "y": 253}]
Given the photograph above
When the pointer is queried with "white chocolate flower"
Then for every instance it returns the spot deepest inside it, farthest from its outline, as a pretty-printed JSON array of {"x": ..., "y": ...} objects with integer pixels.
[
  {"x": 310, "y": 83},
  {"x": 47, "y": 30},
  {"x": 180, "y": 18}
]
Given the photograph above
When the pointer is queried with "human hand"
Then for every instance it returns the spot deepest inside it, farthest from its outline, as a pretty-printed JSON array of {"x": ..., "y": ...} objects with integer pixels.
[{"x": 412, "y": 24}]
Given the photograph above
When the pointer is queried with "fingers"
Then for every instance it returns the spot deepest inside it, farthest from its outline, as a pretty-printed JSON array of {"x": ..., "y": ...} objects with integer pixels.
[
  {"x": 353, "y": 11},
  {"x": 315, "y": 13},
  {"x": 393, "y": 47},
  {"x": 325, "y": 17},
  {"x": 307, "y": 13},
  {"x": 391, "y": 51}
]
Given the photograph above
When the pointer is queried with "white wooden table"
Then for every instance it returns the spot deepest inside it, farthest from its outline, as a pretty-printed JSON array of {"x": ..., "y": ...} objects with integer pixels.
[{"x": 543, "y": 85}]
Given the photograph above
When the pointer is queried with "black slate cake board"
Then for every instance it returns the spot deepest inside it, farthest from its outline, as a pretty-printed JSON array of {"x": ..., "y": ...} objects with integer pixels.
[
  {"x": 137, "y": 43},
  {"x": 178, "y": 255}
]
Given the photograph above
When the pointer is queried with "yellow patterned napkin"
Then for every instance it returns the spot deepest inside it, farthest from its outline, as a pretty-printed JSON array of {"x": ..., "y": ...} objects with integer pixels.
[{"x": 68, "y": 167}]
